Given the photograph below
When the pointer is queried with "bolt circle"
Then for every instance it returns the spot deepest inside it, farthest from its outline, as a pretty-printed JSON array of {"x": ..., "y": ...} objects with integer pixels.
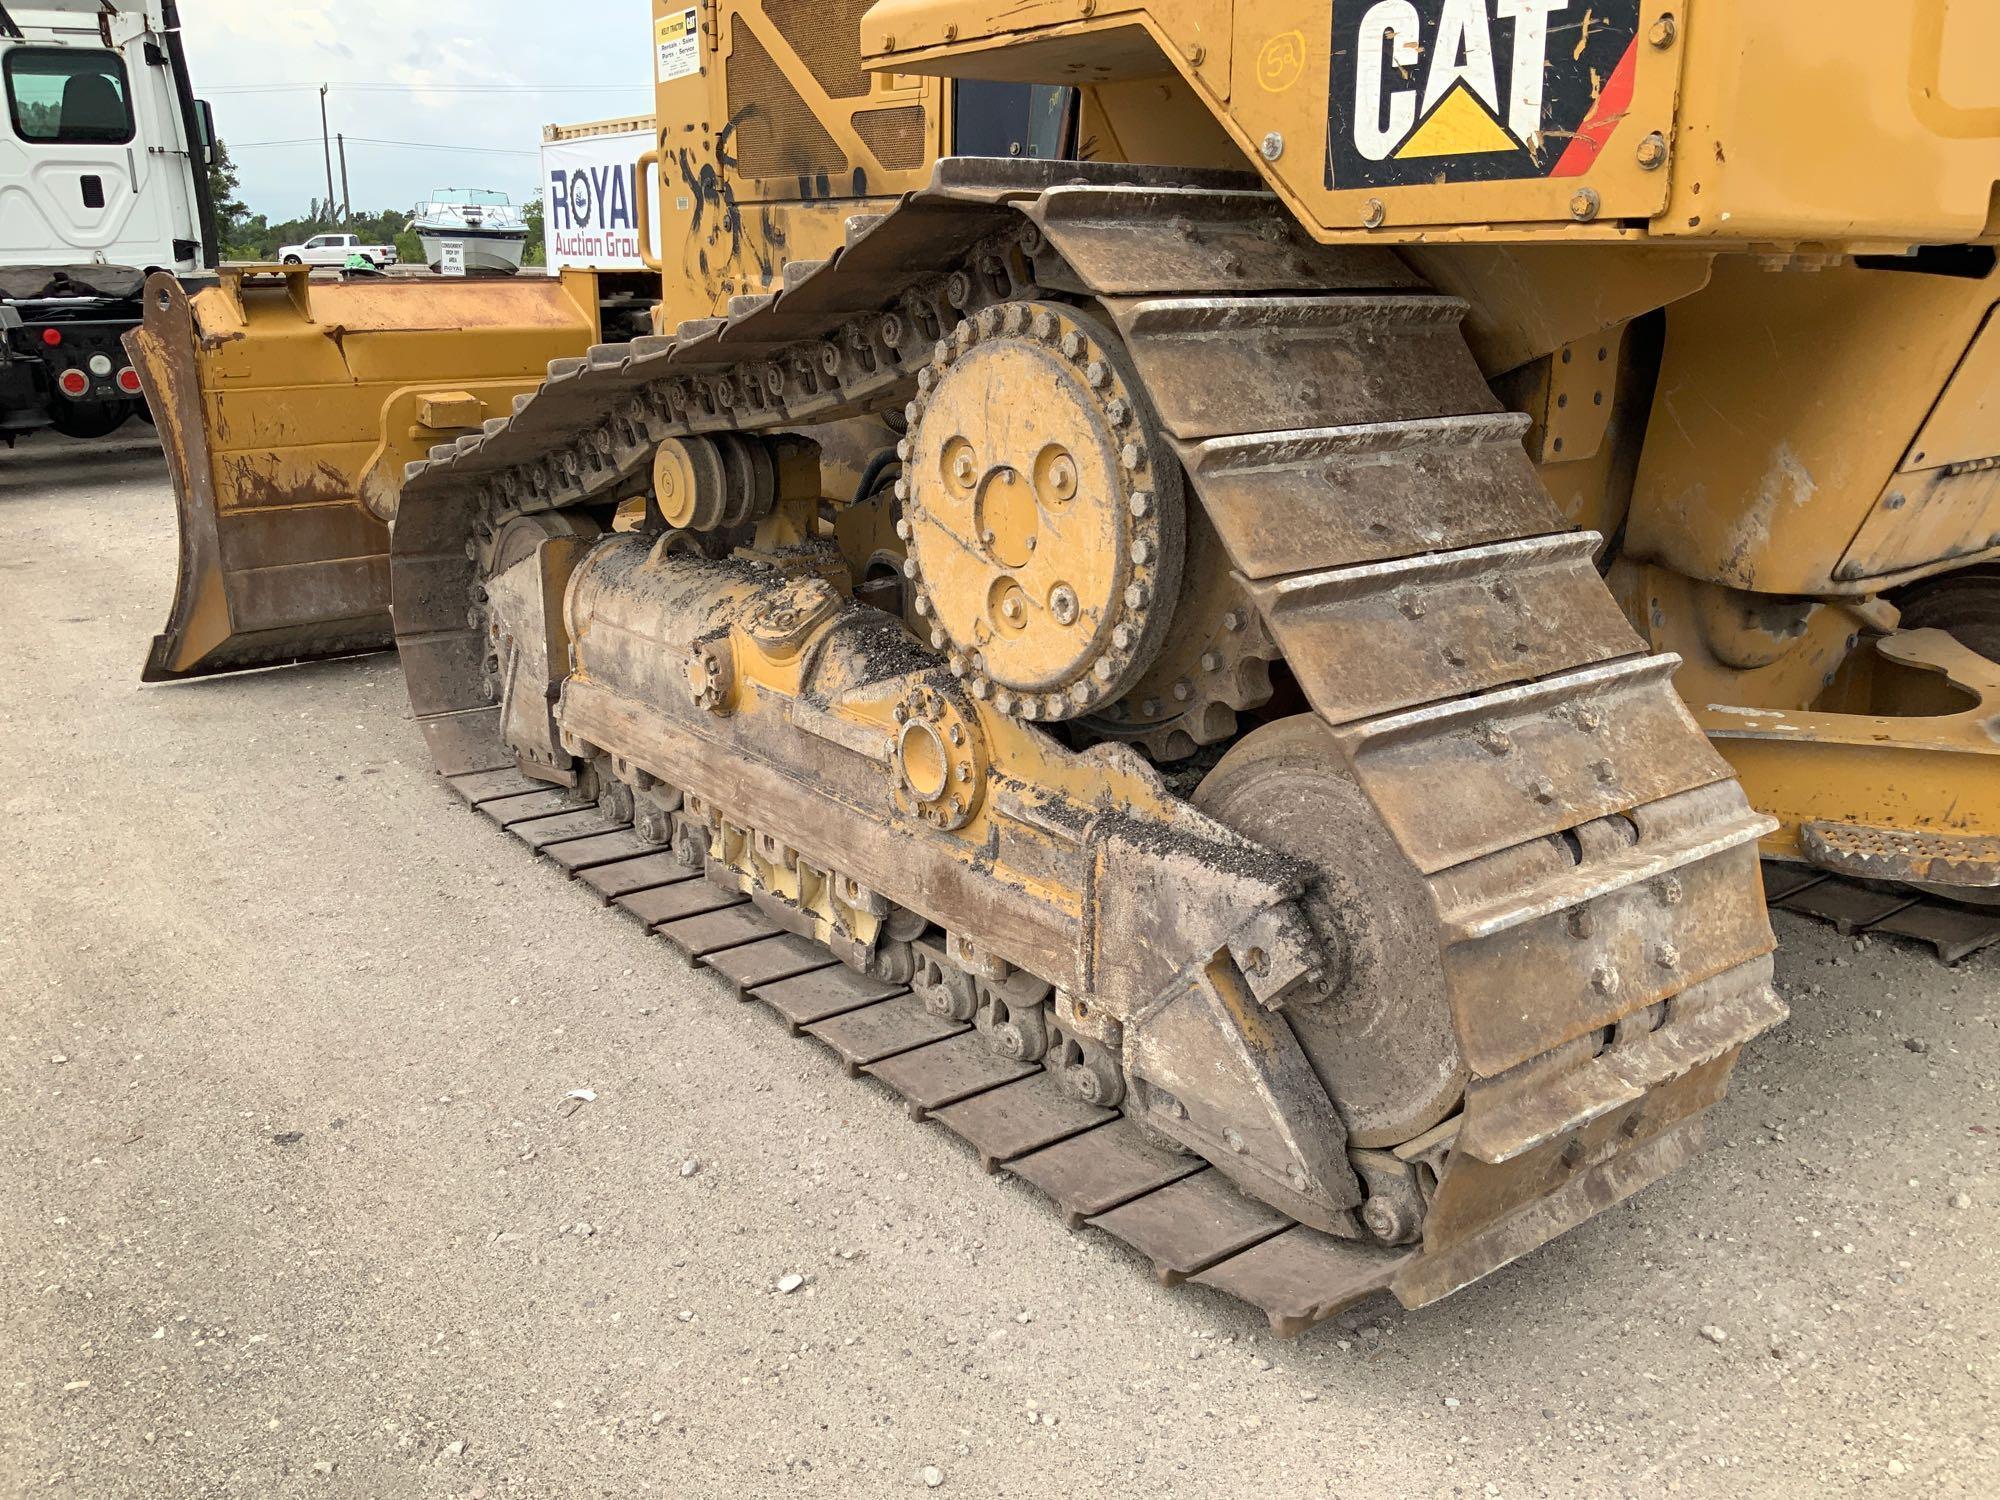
[{"x": 1072, "y": 571}]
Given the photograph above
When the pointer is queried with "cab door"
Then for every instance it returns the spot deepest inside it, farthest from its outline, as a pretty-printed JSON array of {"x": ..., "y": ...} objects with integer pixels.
[{"x": 74, "y": 163}]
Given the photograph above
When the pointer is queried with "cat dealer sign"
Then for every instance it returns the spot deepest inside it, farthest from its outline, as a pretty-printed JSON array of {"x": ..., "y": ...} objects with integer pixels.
[{"x": 590, "y": 194}]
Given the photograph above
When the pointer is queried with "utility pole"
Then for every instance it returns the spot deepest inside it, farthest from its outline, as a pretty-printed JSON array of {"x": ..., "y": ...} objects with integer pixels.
[
  {"x": 346, "y": 203},
  {"x": 327, "y": 147}
]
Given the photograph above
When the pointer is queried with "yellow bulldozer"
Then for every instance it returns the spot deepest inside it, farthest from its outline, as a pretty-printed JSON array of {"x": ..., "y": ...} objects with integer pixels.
[{"x": 1223, "y": 595}]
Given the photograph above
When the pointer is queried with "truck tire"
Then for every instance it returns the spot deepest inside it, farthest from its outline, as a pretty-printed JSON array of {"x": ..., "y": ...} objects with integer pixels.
[
  {"x": 88, "y": 419},
  {"x": 293, "y": 260}
]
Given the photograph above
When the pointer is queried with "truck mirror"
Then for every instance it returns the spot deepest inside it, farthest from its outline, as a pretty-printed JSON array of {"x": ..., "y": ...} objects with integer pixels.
[{"x": 205, "y": 123}]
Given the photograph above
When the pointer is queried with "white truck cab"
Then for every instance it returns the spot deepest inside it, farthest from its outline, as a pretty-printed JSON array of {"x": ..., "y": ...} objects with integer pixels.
[
  {"x": 104, "y": 153},
  {"x": 97, "y": 160}
]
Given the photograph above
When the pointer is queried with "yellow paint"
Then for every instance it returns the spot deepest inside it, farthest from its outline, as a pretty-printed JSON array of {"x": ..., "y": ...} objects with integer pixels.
[{"x": 1459, "y": 126}]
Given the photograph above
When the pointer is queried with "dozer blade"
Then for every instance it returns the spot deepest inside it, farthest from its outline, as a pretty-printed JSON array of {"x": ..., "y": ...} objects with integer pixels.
[{"x": 288, "y": 408}]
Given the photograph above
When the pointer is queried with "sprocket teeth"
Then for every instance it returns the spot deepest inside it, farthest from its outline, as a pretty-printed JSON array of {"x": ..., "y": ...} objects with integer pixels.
[{"x": 1133, "y": 485}]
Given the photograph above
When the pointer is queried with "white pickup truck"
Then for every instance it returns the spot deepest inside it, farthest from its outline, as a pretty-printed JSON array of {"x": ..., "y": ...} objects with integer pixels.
[{"x": 334, "y": 250}]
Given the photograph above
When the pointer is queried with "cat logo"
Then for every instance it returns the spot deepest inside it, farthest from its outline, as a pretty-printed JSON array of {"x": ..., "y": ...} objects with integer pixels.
[{"x": 1427, "y": 91}]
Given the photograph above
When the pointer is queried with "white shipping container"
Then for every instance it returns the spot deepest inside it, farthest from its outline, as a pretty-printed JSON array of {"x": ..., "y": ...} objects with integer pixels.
[{"x": 590, "y": 197}]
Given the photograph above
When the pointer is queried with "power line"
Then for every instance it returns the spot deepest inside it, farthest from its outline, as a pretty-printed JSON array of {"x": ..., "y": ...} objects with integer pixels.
[
  {"x": 430, "y": 146},
  {"x": 422, "y": 88},
  {"x": 362, "y": 140}
]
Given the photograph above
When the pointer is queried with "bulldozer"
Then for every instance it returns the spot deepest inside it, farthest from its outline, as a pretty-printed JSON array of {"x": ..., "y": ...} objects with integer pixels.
[{"x": 1222, "y": 596}]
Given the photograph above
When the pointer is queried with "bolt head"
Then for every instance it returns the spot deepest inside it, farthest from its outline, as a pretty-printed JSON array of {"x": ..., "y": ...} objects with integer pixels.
[
  {"x": 1652, "y": 151},
  {"x": 1583, "y": 205},
  {"x": 1272, "y": 146},
  {"x": 1662, "y": 33},
  {"x": 1373, "y": 213}
]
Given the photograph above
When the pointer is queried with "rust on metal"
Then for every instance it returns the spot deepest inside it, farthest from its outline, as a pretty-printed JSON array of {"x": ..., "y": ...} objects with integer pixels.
[{"x": 283, "y": 503}]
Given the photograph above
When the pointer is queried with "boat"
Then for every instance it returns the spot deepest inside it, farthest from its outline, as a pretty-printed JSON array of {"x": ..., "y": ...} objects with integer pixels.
[{"x": 488, "y": 230}]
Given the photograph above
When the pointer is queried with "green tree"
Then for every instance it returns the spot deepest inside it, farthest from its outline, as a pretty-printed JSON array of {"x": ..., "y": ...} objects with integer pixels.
[
  {"x": 536, "y": 253},
  {"x": 236, "y": 230},
  {"x": 229, "y": 208}
]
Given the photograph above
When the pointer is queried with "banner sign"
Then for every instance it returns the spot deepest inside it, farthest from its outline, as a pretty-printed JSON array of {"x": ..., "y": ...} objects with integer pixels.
[{"x": 590, "y": 202}]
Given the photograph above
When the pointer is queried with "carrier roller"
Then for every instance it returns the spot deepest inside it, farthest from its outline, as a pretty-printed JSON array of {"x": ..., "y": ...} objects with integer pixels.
[{"x": 1412, "y": 981}]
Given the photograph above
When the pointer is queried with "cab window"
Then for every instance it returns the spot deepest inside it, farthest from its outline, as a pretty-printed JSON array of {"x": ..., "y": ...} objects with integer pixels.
[
  {"x": 70, "y": 96},
  {"x": 1013, "y": 119}
]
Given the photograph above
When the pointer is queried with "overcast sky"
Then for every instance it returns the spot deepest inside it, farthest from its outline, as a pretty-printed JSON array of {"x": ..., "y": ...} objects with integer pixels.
[{"x": 442, "y": 73}]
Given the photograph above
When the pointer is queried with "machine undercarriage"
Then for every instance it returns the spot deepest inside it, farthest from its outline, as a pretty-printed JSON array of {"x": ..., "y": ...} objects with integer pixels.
[{"x": 1446, "y": 951}]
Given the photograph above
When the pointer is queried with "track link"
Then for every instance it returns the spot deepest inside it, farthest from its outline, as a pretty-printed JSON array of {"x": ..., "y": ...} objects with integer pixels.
[
  {"x": 1590, "y": 862},
  {"x": 1952, "y": 931}
]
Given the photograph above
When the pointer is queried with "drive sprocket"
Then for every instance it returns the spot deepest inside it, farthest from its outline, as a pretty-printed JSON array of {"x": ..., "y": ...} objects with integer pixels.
[
  {"x": 1046, "y": 528},
  {"x": 1216, "y": 662}
]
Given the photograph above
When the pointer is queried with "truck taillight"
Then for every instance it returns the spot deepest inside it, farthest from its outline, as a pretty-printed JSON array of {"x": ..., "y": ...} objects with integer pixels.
[
  {"x": 52, "y": 336},
  {"x": 128, "y": 381},
  {"x": 73, "y": 382}
]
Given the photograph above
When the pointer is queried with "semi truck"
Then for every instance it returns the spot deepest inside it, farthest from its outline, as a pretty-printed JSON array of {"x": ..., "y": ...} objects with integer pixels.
[{"x": 104, "y": 162}]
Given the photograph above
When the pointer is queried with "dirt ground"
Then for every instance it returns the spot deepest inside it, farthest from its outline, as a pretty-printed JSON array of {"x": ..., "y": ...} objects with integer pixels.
[{"x": 292, "y": 1202}]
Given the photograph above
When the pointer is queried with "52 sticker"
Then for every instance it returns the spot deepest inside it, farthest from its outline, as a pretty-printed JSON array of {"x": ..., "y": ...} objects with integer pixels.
[{"x": 1475, "y": 90}]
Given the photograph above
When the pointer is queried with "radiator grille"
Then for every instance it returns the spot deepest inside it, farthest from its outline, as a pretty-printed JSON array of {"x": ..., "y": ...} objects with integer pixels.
[
  {"x": 776, "y": 134},
  {"x": 826, "y": 34},
  {"x": 896, "y": 136}
]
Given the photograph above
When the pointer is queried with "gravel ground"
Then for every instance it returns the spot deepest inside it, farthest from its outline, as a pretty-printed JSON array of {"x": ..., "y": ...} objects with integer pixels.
[{"x": 292, "y": 1202}]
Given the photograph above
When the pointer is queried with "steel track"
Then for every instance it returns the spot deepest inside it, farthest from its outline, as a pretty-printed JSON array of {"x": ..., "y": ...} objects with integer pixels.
[{"x": 1591, "y": 862}]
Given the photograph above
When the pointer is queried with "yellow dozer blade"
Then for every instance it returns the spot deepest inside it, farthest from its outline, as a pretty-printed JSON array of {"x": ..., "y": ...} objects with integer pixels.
[{"x": 288, "y": 406}]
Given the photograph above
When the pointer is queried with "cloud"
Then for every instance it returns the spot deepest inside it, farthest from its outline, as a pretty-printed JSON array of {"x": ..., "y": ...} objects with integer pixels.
[{"x": 400, "y": 78}]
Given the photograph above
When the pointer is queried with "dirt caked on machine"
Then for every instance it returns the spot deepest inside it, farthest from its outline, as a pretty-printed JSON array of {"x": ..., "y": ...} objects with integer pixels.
[{"x": 1223, "y": 595}]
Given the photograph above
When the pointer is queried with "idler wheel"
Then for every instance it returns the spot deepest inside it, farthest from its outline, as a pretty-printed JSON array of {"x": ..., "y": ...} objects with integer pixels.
[{"x": 1383, "y": 1043}]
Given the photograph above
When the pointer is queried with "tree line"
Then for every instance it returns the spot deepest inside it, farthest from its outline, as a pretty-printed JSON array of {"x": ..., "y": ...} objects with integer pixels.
[{"x": 243, "y": 235}]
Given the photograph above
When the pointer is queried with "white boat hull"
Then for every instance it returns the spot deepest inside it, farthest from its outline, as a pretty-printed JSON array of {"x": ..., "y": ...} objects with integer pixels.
[{"x": 485, "y": 250}]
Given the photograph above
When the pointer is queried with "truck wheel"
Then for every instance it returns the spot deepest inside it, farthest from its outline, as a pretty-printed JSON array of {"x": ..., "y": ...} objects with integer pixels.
[
  {"x": 293, "y": 260},
  {"x": 88, "y": 419}
]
